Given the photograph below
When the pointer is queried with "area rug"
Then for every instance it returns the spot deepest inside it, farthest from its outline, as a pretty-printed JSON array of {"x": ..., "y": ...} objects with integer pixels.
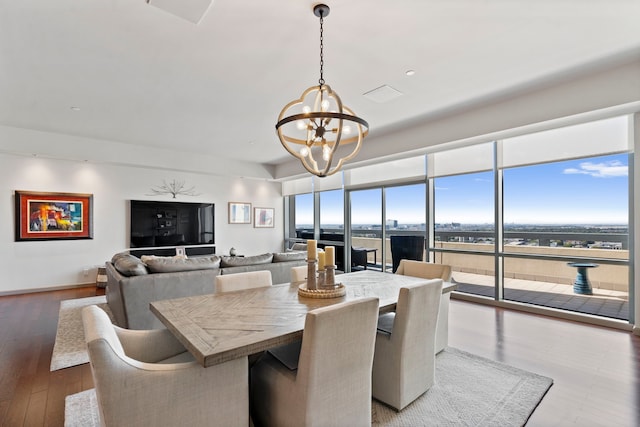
[
  {"x": 469, "y": 391},
  {"x": 69, "y": 348}
]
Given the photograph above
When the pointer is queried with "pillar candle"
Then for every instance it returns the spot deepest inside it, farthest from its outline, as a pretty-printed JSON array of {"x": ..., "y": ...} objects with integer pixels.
[
  {"x": 312, "y": 247},
  {"x": 321, "y": 260},
  {"x": 330, "y": 257}
]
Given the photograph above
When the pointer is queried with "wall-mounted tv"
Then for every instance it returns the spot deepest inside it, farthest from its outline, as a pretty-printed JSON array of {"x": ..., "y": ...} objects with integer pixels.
[{"x": 157, "y": 224}]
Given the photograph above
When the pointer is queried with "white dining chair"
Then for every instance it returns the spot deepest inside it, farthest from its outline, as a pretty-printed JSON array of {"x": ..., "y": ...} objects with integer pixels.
[
  {"x": 299, "y": 274},
  {"x": 404, "y": 361},
  {"x": 241, "y": 281},
  {"x": 326, "y": 379},
  {"x": 429, "y": 270},
  {"x": 146, "y": 378}
]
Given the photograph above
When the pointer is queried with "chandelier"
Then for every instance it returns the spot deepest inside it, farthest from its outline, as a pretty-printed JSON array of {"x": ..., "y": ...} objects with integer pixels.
[{"x": 317, "y": 127}]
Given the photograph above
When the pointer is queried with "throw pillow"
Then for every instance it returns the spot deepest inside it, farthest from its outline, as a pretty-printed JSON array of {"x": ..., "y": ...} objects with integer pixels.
[
  {"x": 236, "y": 261},
  {"x": 128, "y": 265}
]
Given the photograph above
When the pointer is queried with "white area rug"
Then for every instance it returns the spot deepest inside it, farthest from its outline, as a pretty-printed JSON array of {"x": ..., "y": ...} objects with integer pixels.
[
  {"x": 469, "y": 391},
  {"x": 70, "y": 348}
]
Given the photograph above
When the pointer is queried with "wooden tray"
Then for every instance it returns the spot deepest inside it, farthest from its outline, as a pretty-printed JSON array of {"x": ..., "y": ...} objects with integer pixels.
[{"x": 338, "y": 291}]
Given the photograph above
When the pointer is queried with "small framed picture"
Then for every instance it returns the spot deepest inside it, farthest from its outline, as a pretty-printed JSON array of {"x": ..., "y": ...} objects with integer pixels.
[
  {"x": 239, "y": 213},
  {"x": 53, "y": 216},
  {"x": 263, "y": 217}
]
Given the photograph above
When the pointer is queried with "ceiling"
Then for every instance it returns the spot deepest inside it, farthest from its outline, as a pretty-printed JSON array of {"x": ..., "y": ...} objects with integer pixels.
[{"x": 127, "y": 71}]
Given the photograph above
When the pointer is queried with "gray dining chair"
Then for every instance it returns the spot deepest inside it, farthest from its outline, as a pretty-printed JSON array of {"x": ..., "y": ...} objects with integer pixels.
[
  {"x": 404, "y": 361},
  {"x": 325, "y": 380}
]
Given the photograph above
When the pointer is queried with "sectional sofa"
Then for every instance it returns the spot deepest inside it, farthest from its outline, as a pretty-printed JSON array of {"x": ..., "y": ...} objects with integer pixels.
[{"x": 133, "y": 283}]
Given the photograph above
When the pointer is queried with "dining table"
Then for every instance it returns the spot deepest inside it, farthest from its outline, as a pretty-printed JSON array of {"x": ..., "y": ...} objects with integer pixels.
[{"x": 219, "y": 327}]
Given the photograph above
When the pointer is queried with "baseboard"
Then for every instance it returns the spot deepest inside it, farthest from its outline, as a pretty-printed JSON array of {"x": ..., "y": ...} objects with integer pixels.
[{"x": 52, "y": 288}]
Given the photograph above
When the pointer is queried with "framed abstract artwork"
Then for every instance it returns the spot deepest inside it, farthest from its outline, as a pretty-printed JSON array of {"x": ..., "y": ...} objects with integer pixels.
[
  {"x": 263, "y": 217},
  {"x": 239, "y": 213},
  {"x": 53, "y": 216}
]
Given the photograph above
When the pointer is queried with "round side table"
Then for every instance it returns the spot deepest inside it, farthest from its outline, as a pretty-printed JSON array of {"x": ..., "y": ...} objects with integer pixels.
[{"x": 582, "y": 285}]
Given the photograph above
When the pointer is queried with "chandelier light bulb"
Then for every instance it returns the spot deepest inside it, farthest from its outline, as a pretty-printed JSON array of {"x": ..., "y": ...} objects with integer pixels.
[
  {"x": 304, "y": 151},
  {"x": 306, "y": 109},
  {"x": 326, "y": 153},
  {"x": 346, "y": 130},
  {"x": 301, "y": 125},
  {"x": 324, "y": 105}
]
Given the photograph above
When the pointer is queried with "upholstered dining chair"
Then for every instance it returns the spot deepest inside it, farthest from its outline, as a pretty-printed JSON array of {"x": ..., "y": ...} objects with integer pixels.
[
  {"x": 240, "y": 281},
  {"x": 298, "y": 274},
  {"x": 326, "y": 379},
  {"x": 429, "y": 270},
  {"x": 404, "y": 361},
  {"x": 426, "y": 270},
  {"x": 146, "y": 378}
]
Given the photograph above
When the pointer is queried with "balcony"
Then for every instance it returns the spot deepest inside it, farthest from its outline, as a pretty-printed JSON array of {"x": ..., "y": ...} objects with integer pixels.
[{"x": 533, "y": 274}]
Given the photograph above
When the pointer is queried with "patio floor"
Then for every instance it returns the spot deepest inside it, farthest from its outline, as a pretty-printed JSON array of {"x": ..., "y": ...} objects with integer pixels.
[{"x": 603, "y": 302}]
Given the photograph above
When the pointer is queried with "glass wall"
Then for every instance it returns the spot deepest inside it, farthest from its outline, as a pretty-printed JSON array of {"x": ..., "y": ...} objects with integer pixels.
[
  {"x": 539, "y": 219},
  {"x": 405, "y": 223}
]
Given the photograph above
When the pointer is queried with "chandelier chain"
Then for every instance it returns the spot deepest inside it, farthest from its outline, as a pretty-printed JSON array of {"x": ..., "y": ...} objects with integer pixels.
[{"x": 321, "y": 81}]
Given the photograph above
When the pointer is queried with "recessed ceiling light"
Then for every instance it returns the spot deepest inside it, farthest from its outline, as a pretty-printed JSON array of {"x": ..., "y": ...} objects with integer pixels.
[
  {"x": 75, "y": 108},
  {"x": 410, "y": 72}
]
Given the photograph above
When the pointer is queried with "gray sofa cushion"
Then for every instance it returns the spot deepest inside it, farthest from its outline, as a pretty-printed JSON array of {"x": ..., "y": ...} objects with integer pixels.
[
  {"x": 175, "y": 264},
  {"x": 289, "y": 256},
  {"x": 128, "y": 265},
  {"x": 235, "y": 261}
]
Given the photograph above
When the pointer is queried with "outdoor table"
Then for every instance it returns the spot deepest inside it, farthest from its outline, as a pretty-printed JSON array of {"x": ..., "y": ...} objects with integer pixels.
[{"x": 582, "y": 285}]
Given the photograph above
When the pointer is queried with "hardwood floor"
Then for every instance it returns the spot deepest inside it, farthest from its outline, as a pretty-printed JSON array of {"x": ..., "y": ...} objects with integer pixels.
[{"x": 596, "y": 370}]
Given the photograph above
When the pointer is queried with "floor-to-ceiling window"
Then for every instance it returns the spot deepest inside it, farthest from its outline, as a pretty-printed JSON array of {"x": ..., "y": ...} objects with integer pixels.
[
  {"x": 464, "y": 229},
  {"x": 366, "y": 223},
  {"x": 522, "y": 219},
  {"x": 405, "y": 223}
]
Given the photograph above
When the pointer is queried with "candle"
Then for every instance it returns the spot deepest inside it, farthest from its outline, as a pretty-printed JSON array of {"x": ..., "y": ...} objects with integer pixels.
[
  {"x": 312, "y": 247},
  {"x": 321, "y": 258},
  {"x": 330, "y": 257}
]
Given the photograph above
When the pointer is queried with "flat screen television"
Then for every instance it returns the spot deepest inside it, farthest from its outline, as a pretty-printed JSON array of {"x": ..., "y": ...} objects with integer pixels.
[{"x": 157, "y": 224}]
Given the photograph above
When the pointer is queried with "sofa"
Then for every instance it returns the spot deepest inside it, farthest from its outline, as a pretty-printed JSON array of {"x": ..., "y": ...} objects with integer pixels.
[{"x": 133, "y": 283}]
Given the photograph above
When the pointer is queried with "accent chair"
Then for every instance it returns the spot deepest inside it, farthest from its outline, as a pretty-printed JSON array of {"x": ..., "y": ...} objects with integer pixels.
[{"x": 404, "y": 361}]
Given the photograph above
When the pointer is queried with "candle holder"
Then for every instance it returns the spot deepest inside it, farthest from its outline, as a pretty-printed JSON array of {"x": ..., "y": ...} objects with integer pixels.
[
  {"x": 330, "y": 276},
  {"x": 321, "y": 279},
  {"x": 311, "y": 274}
]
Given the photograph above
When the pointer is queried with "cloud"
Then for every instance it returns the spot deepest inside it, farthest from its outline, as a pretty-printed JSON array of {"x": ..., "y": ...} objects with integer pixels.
[{"x": 600, "y": 170}]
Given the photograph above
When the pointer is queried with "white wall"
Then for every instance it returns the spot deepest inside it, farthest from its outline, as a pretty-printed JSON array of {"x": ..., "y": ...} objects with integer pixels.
[{"x": 31, "y": 265}]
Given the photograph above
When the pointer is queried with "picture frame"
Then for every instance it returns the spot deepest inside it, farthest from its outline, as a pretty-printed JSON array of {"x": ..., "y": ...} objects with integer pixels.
[
  {"x": 53, "y": 216},
  {"x": 263, "y": 217},
  {"x": 239, "y": 213}
]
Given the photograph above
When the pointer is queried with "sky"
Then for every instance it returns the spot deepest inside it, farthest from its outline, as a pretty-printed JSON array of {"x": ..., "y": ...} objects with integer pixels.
[{"x": 583, "y": 191}]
